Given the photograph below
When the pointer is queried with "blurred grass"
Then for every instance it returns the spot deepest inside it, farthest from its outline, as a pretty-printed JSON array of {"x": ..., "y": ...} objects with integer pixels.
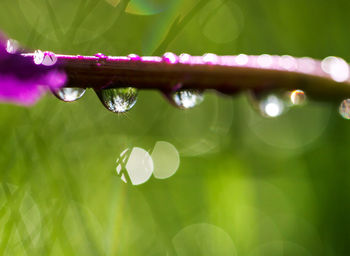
[{"x": 245, "y": 186}]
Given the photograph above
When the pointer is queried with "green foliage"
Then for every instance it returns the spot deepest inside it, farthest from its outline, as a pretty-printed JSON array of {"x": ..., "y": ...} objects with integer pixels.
[{"x": 245, "y": 186}]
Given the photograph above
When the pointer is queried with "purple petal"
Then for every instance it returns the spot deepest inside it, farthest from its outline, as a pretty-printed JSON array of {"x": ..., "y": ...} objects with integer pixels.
[{"x": 22, "y": 81}]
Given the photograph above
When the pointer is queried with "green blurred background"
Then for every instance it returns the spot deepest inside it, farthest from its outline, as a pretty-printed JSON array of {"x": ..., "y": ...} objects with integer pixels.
[{"x": 246, "y": 185}]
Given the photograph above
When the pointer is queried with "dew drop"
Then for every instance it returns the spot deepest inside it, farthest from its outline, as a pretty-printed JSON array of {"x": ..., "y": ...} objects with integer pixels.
[
  {"x": 187, "y": 98},
  {"x": 337, "y": 68},
  {"x": 210, "y": 58},
  {"x": 170, "y": 58},
  {"x": 38, "y": 57},
  {"x": 69, "y": 94},
  {"x": 118, "y": 100},
  {"x": 297, "y": 97},
  {"x": 49, "y": 59},
  {"x": 269, "y": 104},
  {"x": 134, "y": 57},
  {"x": 12, "y": 46},
  {"x": 344, "y": 109}
]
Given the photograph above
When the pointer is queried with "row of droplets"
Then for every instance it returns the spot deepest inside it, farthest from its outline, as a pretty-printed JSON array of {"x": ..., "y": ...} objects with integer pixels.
[{"x": 121, "y": 100}]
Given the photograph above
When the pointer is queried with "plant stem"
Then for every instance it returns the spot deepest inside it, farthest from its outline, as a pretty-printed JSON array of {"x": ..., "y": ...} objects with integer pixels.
[{"x": 227, "y": 74}]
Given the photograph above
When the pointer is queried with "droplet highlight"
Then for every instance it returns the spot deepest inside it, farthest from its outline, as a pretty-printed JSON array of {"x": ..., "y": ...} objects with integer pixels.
[
  {"x": 344, "y": 109},
  {"x": 12, "y": 46},
  {"x": 187, "y": 98},
  {"x": 69, "y": 94},
  {"x": 170, "y": 58},
  {"x": 297, "y": 98},
  {"x": 337, "y": 68},
  {"x": 118, "y": 100}
]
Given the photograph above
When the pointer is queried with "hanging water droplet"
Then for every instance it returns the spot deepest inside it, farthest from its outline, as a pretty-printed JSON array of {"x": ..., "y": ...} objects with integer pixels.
[
  {"x": 187, "y": 98},
  {"x": 135, "y": 166},
  {"x": 344, "y": 109},
  {"x": 12, "y": 46},
  {"x": 118, "y": 100},
  {"x": 69, "y": 94},
  {"x": 269, "y": 104},
  {"x": 297, "y": 97}
]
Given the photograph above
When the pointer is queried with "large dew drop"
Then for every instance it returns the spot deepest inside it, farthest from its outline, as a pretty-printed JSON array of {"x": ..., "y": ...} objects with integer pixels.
[
  {"x": 187, "y": 98},
  {"x": 118, "y": 100},
  {"x": 69, "y": 94}
]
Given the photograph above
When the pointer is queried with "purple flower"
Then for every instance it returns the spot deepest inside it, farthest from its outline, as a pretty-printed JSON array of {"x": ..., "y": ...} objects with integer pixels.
[{"x": 23, "y": 80}]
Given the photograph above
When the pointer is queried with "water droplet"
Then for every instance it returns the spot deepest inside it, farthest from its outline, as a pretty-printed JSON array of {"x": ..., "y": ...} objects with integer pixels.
[
  {"x": 12, "y": 46},
  {"x": 135, "y": 166},
  {"x": 265, "y": 61},
  {"x": 288, "y": 63},
  {"x": 187, "y": 98},
  {"x": 297, "y": 97},
  {"x": 242, "y": 59},
  {"x": 134, "y": 57},
  {"x": 49, "y": 59},
  {"x": 337, "y": 68},
  {"x": 344, "y": 109},
  {"x": 69, "y": 94},
  {"x": 38, "y": 57},
  {"x": 269, "y": 104},
  {"x": 170, "y": 58},
  {"x": 210, "y": 58},
  {"x": 185, "y": 58},
  {"x": 118, "y": 100},
  {"x": 101, "y": 59}
]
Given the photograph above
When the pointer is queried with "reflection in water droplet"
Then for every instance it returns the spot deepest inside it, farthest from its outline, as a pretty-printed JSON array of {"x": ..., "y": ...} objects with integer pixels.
[
  {"x": 69, "y": 94},
  {"x": 118, "y": 100},
  {"x": 12, "y": 46},
  {"x": 297, "y": 97},
  {"x": 344, "y": 109},
  {"x": 337, "y": 68},
  {"x": 136, "y": 166},
  {"x": 187, "y": 98},
  {"x": 166, "y": 160}
]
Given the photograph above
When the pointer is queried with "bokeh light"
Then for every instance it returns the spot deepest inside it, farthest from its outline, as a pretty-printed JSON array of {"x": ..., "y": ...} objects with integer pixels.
[{"x": 166, "y": 160}]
